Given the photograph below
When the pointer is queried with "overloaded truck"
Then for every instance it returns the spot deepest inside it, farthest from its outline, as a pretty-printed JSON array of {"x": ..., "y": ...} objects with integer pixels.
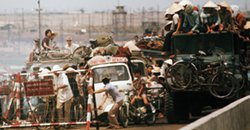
[{"x": 209, "y": 71}]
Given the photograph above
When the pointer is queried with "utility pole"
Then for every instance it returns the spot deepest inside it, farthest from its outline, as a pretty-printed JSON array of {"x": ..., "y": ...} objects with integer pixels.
[{"x": 39, "y": 19}]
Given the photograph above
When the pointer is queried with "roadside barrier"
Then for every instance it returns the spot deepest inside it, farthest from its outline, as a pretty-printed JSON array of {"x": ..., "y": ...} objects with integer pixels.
[
  {"x": 235, "y": 116},
  {"x": 15, "y": 97},
  {"x": 15, "y": 94},
  {"x": 89, "y": 112}
]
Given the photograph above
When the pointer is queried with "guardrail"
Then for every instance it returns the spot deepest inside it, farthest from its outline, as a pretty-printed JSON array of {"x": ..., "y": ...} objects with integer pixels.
[{"x": 235, "y": 116}]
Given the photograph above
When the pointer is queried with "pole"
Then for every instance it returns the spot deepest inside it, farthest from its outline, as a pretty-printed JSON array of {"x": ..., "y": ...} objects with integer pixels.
[
  {"x": 39, "y": 19},
  {"x": 94, "y": 100},
  {"x": 89, "y": 25}
]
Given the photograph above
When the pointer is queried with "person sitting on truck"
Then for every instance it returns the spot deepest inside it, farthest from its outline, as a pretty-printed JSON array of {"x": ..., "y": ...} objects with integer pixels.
[
  {"x": 46, "y": 42},
  {"x": 35, "y": 51},
  {"x": 70, "y": 46},
  {"x": 191, "y": 21},
  {"x": 210, "y": 19},
  {"x": 117, "y": 98},
  {"x": 175, "y": 14},
  {"x": 225, "y": 16}
]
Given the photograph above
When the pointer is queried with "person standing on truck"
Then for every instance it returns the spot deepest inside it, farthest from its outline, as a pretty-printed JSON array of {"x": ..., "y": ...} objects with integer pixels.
[{"x": 117, "y": 98}]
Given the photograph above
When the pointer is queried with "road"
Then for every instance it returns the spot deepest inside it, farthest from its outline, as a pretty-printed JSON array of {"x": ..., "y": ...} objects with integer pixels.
[
  {"x": 158, "y": 126},
  {"x": 141, "y": 127}
]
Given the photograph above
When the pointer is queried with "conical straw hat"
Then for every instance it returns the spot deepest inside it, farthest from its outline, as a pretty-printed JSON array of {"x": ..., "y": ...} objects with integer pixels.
[{"x": 185, "y": 2}]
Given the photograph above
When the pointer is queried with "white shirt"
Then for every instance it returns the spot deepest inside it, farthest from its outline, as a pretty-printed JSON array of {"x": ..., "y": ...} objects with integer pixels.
[
  {"x": 72, "y": 47},
  {"x": 63, "y": 94},
  {"x": 175, "y": 22}
]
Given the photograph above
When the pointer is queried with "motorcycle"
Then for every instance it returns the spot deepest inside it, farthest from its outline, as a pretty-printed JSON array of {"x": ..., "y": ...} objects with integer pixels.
[
  {"x": 138, "y": 111},
  {"x": 156, "y": 95}
]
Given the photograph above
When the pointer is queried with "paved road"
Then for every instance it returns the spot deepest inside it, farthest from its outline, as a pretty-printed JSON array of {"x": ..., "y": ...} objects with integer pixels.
[
  {"x": 142, "y": 127},
  {"x": 130, "y": 127}
]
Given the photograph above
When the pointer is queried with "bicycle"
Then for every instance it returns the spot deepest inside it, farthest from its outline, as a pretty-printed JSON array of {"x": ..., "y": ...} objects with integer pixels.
[{"x": 194, "y": 73}]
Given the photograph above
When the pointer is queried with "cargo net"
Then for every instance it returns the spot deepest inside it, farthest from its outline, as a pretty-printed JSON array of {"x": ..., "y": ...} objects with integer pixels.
[{"x": 34, "y": 104}]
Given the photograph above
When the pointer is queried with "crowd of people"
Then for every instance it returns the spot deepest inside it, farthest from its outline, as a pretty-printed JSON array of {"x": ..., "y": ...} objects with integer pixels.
[{"x": 184, "y": 17}]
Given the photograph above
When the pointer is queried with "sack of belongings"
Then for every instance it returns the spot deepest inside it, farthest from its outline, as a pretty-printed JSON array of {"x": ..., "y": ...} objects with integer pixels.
[
  {"x": 111, "y": 49},
  {"x": 103, "y": 41},
  {"x": 96, "y": 60}
]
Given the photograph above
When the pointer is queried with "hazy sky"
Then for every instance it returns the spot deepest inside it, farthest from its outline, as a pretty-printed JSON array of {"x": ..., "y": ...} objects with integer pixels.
[{"x": 99, "y": 5}]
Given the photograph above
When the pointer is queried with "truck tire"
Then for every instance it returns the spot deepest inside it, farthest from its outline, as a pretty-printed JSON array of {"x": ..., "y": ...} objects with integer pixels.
[
  {"x": 169, "y": 108},
  {"x": 181, "y": 106}
]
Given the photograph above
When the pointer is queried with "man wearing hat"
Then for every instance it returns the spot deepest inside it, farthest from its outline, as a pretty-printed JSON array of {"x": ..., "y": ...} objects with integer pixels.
[
  {"x": 70, "y": 46},
  {"x": 175, "y": 14},
  {"x": 64, "y": 93},
  {"x": 116, "y": 96},
  {"x": 191, "y": 21},
  {"x": 210, "y": 19},
  {"x": 225, "y": 14},
  {"x": 75, "y": 111}
]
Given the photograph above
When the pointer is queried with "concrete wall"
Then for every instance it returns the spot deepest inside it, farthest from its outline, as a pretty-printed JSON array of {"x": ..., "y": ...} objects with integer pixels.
[{"x": 235, "y": 116}]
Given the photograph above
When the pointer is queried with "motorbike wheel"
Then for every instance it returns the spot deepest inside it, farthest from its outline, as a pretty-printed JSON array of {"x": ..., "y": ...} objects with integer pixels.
[
  {"x": 150, "y": 119},
  {"x": 123, "y": 116}
]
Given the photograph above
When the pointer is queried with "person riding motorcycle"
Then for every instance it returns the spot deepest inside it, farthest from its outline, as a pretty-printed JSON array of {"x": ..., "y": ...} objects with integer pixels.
[{"x": 139, "y": 89}]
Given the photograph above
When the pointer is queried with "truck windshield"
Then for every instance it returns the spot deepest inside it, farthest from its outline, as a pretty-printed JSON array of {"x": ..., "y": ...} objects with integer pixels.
[{"x": 116, "y": 73}]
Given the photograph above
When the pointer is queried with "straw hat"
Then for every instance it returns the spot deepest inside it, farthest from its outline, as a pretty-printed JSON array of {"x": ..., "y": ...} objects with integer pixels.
[
  {"x": 173, "y": 9},
  {"x": 210, "y": 4},
  {"x": 56, "y": 68},
  {"x": 185, "y": 2},
  {"x": 45, "y": 72},
  {"x": 189, "y": 9},
  {"x": 70, "y": 70},
  {"x": 169, "y": 61},
  {"x": 224, "y": 4},
  {"x": 53, "y": 33},
  {"x": 169, "y": 23}
]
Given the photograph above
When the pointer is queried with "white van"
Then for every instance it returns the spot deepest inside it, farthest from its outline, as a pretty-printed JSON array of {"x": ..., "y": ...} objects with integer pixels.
[{"x": 117, "y": 69}]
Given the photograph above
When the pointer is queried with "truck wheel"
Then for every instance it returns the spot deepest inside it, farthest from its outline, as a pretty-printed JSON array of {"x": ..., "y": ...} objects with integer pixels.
[
  {"x": 169, "y": 108},
  {"x": 181, "y": 106}
]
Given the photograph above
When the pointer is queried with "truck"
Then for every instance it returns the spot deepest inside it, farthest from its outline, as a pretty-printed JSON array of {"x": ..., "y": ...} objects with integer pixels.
[{"x": 193, "y": 98}]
